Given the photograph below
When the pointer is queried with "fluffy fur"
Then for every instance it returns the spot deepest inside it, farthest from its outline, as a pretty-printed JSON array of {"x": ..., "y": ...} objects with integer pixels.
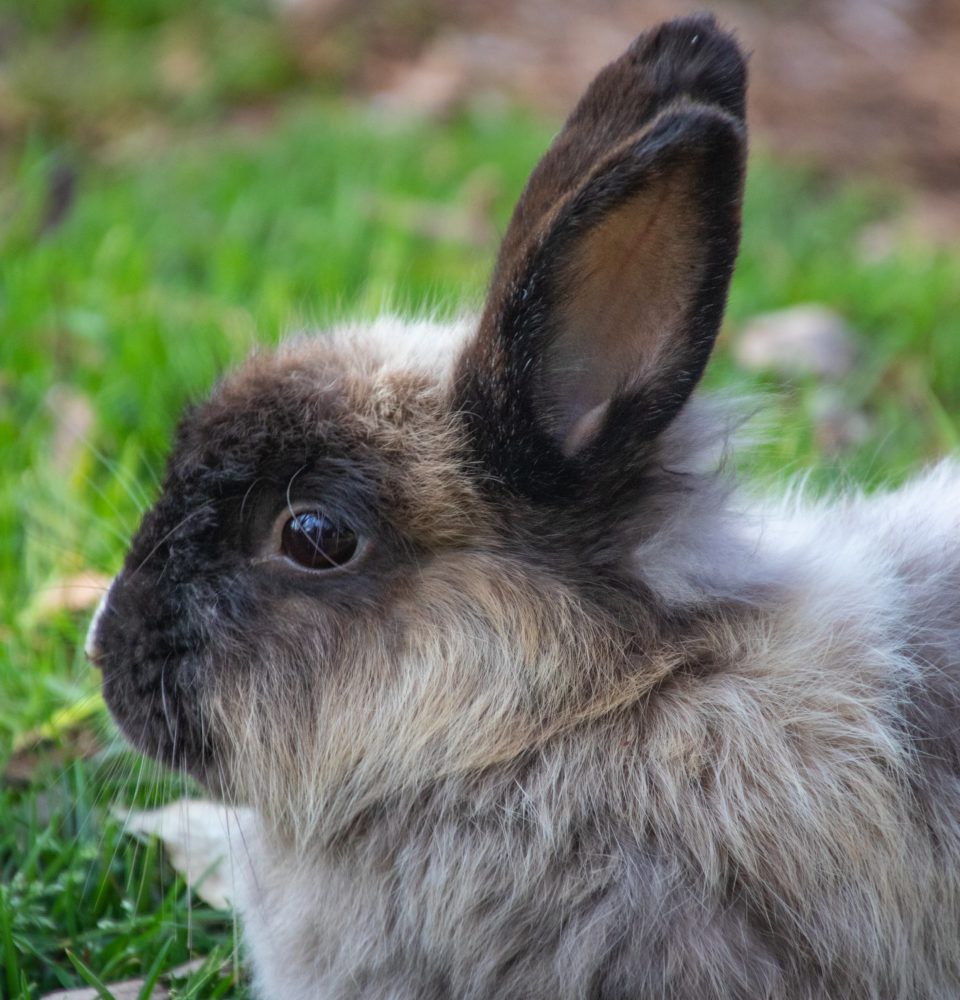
[
  {"x": 760, "y": 802},
  {"x": 580, "y": 719}
]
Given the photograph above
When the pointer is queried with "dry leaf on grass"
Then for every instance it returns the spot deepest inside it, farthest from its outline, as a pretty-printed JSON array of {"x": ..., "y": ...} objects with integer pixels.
[
  {"x": 73, "y": 716},
  {"x": 73, "y": 419},
  {"x": 24, "y": 763},
  {"x": 182, "y": 68},
  {"x": 129, "y": 989},
  {"x": 201, "y": 839},
  {"x": 68, "y": 734},
  {"x": 80, "y": 592}
]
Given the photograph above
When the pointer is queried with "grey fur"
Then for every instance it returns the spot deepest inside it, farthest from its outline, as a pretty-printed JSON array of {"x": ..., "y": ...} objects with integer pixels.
[{"x": 581, "y": 720}]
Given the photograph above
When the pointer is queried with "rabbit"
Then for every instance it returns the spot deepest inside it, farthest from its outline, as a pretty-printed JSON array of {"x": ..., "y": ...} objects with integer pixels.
[{"x": 523, "y": 695}]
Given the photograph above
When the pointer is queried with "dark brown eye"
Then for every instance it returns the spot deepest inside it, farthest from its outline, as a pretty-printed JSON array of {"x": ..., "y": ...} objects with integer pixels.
[{"x": 312, "y": 540}]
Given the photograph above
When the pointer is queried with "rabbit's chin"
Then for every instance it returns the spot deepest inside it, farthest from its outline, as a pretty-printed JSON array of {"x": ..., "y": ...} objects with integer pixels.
[{"x": 160, "y": 725}]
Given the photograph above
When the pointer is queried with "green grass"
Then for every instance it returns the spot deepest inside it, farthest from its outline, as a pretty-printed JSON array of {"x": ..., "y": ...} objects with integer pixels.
[{"x": 199, "y": 237}]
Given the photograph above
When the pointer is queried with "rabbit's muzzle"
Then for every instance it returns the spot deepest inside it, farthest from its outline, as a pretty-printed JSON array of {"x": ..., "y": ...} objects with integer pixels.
[{"x": 151, "y": 639}]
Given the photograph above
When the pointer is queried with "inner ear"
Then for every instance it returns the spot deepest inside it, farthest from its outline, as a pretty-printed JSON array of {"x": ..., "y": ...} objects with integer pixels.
[
  {"x": 611, "y": 282},
  {"x": 624, "y": 289},
  {"x": 623, "y": 296}
]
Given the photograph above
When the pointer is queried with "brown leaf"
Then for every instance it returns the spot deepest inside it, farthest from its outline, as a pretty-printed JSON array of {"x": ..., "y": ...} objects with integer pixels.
[
  {"x": 182, "y": 68},
  {"x": 24, "y": 763},
  {"x": 73, "y": 419},
  {"x": 80, "y": 592},
  {"x": 129, "y": 989}
]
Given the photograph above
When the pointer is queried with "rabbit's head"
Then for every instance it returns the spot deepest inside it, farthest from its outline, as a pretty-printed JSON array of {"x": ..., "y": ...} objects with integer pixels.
[{"x": 382, "y": 556}]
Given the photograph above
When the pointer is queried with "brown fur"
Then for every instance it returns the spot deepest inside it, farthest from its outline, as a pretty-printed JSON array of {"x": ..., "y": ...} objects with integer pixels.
[{"x": 578, "y": 720}]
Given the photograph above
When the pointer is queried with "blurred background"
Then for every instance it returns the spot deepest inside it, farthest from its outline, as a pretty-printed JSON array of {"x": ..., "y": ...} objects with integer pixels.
[
  {"x": 181, "y": 180},
  {"x": 851, "y": 84}
]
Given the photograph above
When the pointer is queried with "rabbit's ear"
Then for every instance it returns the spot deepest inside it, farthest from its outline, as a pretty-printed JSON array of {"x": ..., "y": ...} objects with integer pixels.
[{"x": 611, "y": 282}]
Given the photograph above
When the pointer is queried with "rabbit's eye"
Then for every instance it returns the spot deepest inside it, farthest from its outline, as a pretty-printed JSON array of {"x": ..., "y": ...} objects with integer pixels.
[{"x": 312, "y": 540}]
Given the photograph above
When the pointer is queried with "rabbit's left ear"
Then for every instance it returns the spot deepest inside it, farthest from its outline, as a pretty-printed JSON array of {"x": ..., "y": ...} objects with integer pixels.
[{"x": 612, "y": 279}]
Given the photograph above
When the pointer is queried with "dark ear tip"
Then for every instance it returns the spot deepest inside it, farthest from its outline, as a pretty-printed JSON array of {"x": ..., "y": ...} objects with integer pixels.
[{"x": 695, "y": 57}]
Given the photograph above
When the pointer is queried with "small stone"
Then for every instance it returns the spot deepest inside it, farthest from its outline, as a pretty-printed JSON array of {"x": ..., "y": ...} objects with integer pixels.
[{"x": 801, "y": 340}]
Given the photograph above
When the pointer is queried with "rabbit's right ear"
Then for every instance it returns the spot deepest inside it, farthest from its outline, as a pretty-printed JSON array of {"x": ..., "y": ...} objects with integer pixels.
[{"x": 612, "y": 278}]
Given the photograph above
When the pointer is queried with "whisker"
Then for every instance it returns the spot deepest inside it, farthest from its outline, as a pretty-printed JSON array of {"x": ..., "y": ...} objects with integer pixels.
[
  {"x": 202, "y": 509},
  {"x": 290, "y": 488}
]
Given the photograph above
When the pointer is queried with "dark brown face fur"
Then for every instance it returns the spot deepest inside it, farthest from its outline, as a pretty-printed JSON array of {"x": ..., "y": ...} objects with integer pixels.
[
  {"x": 204, "y": 579},
  {"x": 541, "y": 455},
  {"x": 204, "y": 594}
]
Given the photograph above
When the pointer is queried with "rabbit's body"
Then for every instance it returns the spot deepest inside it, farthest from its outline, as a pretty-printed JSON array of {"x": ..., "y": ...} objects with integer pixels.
[
  {"x": 769, "y": 810},
  {"x": 527, "y": 700}
]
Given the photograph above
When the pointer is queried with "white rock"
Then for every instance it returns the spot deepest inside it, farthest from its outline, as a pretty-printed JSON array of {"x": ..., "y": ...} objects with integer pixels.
[{"x": 801, "y": 340}]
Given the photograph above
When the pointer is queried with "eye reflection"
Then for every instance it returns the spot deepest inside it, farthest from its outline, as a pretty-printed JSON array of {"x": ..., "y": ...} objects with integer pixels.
[{"x": 313, "y": 541}]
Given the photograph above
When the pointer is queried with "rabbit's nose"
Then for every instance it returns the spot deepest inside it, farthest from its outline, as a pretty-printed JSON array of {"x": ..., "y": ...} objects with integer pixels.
[{"x": 91, "y": 649}]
